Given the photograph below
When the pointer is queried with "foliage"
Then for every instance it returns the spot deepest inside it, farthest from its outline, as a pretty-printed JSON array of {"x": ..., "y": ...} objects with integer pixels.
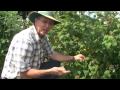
[
  {"x": 97, "y": 37},
  {"x": 10, "y": 23}
]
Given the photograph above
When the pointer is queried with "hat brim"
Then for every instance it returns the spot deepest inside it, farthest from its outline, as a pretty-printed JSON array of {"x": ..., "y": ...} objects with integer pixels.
[{"x": 33, "y": 15}]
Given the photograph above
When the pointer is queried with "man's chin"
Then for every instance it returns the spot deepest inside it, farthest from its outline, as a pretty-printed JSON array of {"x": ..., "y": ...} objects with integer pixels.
[{"x": 42, "y": 34}]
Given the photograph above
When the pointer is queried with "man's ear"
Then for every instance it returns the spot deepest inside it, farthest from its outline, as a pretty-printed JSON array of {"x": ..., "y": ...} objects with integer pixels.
[{"x": 35, "y": 20}]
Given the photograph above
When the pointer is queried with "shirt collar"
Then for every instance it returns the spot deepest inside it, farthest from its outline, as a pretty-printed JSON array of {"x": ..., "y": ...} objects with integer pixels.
[{"x": 36, "y": 34}]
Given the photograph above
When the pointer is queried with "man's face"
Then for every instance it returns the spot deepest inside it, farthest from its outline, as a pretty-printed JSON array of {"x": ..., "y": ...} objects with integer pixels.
[{"x": 43, "y": 25}]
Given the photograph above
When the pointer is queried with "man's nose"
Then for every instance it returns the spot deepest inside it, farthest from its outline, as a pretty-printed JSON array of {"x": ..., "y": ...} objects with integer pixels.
[{"x": 48, "y": 25}]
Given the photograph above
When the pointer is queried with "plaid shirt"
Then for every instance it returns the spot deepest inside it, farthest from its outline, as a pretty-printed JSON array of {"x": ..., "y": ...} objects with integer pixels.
[{"x": 27, "y": 50}]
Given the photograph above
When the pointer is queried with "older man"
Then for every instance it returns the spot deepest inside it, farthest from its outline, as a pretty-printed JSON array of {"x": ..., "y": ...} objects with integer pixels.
[{"x": 30, "y": 48}]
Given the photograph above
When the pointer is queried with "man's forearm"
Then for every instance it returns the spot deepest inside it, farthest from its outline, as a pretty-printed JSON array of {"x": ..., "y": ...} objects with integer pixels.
[
  {"x": 34, "y": 73},
  {"x": 60, "y": 57}
]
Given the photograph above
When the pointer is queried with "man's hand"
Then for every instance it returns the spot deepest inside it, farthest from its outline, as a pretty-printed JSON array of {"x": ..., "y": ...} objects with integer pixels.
[
  {"x": 79, "y": 57},
  {"x": 59, "y": 71}
]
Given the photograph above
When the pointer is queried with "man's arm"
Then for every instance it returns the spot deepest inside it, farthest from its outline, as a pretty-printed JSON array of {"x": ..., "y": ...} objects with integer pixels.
[
  {"x": 34, "y": 73},
  {"x": 60, "y": 57}
]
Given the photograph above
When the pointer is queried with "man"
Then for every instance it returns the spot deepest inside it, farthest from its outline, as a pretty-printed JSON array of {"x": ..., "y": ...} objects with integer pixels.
[{"x": 30, "y": 48}]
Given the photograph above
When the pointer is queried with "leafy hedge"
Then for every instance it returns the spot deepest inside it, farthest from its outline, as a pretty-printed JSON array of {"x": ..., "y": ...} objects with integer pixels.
[
  {"x": 10, "y": 23},
  {"x": 97, "y": 37}
]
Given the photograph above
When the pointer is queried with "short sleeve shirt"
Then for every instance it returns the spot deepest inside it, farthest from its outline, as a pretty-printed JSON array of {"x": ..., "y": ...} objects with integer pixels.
[{"x": 27, "y": 50}]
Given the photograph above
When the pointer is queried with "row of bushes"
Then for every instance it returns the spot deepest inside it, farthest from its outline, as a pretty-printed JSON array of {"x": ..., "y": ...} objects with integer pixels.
[{"x": 96, "y": 35}]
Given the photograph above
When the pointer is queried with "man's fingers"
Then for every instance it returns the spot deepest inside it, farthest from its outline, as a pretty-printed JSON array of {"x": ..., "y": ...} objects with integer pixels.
[
  {"x": 82, "y": 57},
  {"x": 68, "y": 71}
]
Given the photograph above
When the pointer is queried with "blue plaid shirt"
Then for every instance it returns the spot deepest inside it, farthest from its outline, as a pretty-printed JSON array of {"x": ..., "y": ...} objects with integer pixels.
[{"x": 27, "y": 50}]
